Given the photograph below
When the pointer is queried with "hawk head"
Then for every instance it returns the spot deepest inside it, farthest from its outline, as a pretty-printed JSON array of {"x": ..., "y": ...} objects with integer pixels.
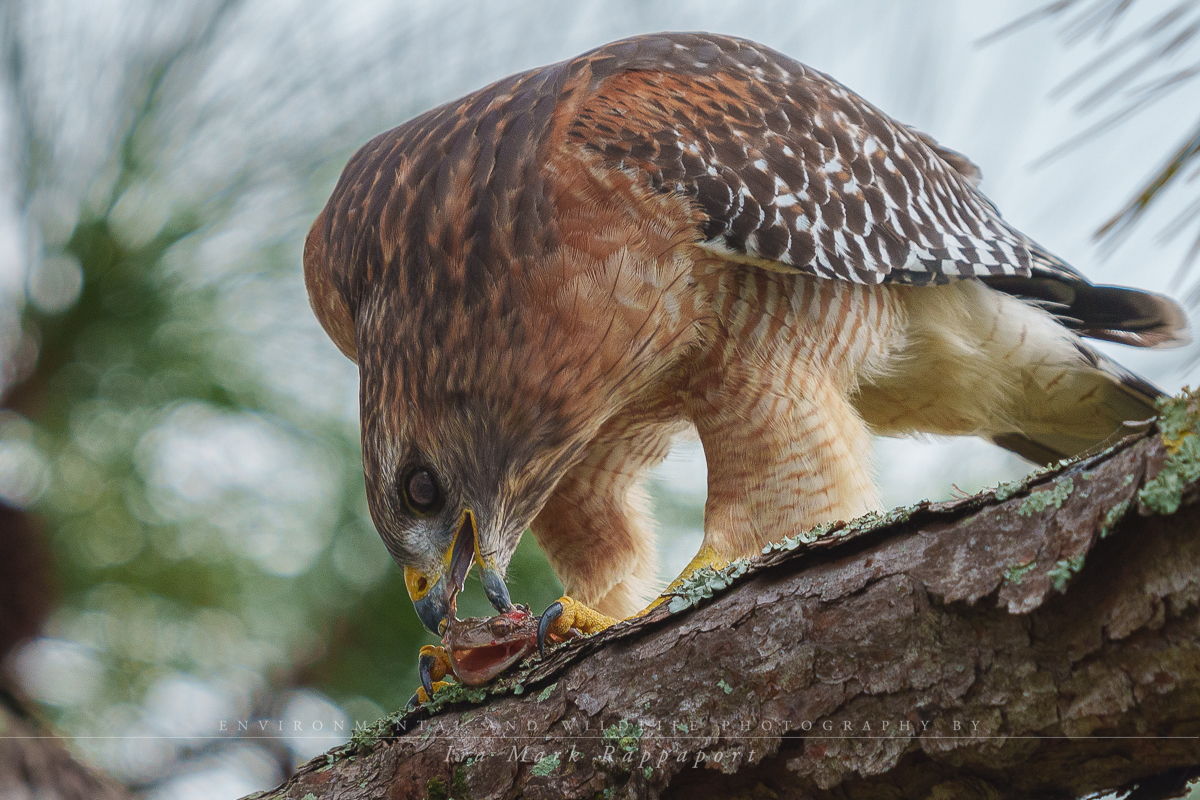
[
  {"x": 456, "y": 467},
  {"x": 464, "y": 432}
]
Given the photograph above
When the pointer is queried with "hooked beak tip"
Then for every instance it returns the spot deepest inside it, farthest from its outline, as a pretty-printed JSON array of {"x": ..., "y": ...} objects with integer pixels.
[
  {"x": 496, "y": 590},
  {"x": 434, "y": 609}
]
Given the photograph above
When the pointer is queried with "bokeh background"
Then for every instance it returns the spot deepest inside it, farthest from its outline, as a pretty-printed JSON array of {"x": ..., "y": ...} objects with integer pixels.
[{"x": 187, "y": 545}]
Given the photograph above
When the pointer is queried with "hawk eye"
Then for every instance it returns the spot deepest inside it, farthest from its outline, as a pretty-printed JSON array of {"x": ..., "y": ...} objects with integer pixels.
[{"x": 421, "y": 490}]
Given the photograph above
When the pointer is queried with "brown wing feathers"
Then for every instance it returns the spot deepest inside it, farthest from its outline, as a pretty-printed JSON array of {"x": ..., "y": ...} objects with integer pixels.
[{"x": 791, "y": 167}]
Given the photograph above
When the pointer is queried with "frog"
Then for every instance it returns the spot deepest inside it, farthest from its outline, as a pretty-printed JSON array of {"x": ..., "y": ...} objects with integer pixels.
[{"x": 477, "y": 649}]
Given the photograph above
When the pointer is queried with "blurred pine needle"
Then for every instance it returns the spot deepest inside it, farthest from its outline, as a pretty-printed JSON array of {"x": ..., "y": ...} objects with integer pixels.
[{"x": 1140, "y": 63}]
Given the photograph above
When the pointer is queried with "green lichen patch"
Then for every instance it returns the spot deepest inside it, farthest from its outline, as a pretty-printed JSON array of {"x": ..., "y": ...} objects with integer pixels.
[
  {"x": 1114, "y": 515},
  {"x": 545, "y": 693},
  {"x": 456, "y": 693},
  {"x": 728, "y": 689},
  {"x": 363, "y": 740},
  {"x": 704, "y": 583},
  {"x": 461, "y": 789},
  {"x": 804, "y": 537},
  {"x": 435, "y": 789},
  {"x": 1010, "y": 489},
  {"x": 1164, "y": 493},
  {"x": 874, "y": 520},
  {"x": 1017, "y": 572},
  {"x": 1178, "y": 416},
  {"x": 626, "y": 735},
  {"x": 1004, "y": 491},
  {"x": 1062, "y": 571},
  {"x": 1048, "y": 498},
  {"x": 545, "y": 765},
  {"x": 1179, "y": 422},
  {"x": 870, "y": 521}
]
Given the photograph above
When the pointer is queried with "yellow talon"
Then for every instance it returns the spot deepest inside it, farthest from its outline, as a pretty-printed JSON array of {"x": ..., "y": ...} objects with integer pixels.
[
  {"x": 433, "y": 664},
  {"x": 707, "y": 557},
  {"x": 422, "y": 696},
  {"x": 580, "y": 617},
  {"x": 567, "y": 615}
]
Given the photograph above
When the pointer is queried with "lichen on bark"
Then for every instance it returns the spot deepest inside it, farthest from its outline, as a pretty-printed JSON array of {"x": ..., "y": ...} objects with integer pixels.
[{"x": 1179, "y": 422}]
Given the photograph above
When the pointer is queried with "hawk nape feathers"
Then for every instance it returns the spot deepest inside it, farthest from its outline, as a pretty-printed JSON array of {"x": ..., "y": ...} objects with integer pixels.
[{"x": 544, "y": 282}]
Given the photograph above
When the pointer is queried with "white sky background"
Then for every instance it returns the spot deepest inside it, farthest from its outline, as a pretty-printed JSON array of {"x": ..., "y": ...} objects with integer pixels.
[{"x": 918, "y": 61}]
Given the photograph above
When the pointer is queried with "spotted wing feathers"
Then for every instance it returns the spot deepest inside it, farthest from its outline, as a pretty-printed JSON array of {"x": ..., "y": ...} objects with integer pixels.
[{"x": 790, "y": 167}]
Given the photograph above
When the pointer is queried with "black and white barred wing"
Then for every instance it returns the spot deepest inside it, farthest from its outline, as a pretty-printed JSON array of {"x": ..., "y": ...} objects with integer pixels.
[{"x": 793, "y": 170}]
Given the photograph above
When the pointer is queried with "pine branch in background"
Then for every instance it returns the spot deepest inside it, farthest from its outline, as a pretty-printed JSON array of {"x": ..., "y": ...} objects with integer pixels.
[
  {"x": 1139, "y": 65},
  {"x": 1138, "y": 205}
]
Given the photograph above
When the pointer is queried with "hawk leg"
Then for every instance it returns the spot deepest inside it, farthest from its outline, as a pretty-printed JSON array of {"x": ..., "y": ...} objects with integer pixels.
[
  {"x": 770, "y": 478},
  {"x": 594, "y": 532},
  {"x": 772, "y": 402}
]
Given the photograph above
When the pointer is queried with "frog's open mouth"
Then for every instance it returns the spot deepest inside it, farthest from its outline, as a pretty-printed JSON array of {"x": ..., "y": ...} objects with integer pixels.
[{"x": 476, "y": 665}]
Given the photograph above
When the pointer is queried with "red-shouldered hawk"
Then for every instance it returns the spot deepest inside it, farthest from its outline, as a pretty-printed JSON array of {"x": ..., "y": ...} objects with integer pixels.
[{"x": 544, "y": 282}]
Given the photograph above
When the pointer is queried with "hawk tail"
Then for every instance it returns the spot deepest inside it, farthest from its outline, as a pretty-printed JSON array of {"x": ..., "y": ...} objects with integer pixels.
[
  {"x": 1121, "y": 402},
  {"x": 1113, "y": 313},
  {"x": 992, "y": 361}
]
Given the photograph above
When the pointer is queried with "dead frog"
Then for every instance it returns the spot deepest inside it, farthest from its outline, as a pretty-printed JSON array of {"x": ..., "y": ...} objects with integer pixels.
[{"x": 477, "y": 649}]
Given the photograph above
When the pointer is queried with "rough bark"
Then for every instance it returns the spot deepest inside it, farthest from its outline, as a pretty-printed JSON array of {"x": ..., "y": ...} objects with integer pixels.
[{"x": 1036, "y": 641}]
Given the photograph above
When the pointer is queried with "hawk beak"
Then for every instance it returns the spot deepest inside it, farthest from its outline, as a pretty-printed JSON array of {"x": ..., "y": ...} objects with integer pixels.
[
  {"x": 495, "y": 589},
  {"x": 433, "y": 599},
  {"x": 434, "y": 604}
]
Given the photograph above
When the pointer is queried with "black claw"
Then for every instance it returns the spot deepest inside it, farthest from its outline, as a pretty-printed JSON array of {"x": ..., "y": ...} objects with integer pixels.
[
  {"x": 413, "y": 702},
  {"x": 548, "y": 617},
  {"x": 425, "y": 668}
]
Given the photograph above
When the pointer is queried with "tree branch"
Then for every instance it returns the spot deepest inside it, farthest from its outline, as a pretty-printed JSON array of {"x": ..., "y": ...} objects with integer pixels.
[
  {"x": 34, "y": 764},
  {"x": 1038, "y": 640}
]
